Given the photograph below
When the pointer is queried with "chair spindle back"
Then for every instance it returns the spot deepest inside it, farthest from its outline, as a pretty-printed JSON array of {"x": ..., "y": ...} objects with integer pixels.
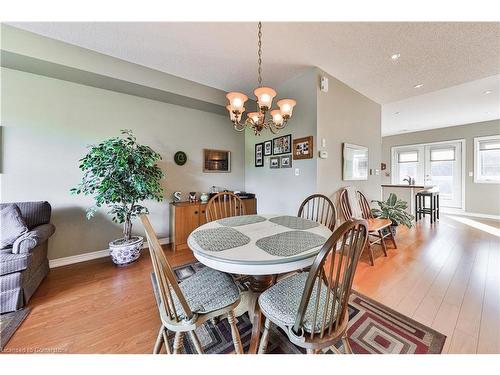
[
  {"x": 165, "y": 277},
  {"x": 319, "y": 208},
  {"x": 345, "y": 205},
  {"x": 332, "y": 270},
  {"x": 223, "y": 205}
]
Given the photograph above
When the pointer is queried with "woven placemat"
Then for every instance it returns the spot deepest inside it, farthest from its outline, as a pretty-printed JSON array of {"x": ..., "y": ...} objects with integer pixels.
[
  {"x": 294, "y": 222},
  {"x": 290, "y": 243},
  {"x": 236, "y": 221},
  {"x": 219, "y": 239}
]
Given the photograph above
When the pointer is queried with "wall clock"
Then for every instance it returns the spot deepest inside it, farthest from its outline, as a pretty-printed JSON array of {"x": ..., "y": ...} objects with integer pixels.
[{"x": 180, "y": 158}]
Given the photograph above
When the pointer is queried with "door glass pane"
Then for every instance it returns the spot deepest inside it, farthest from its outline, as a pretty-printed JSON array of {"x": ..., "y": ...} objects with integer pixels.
[
  {"x": 407, "y": 169},
  {"x": 442, "y": 175}
]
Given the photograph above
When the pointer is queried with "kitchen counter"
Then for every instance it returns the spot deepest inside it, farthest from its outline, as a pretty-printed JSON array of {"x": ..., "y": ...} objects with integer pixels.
[{"x": 405, "y": 192}]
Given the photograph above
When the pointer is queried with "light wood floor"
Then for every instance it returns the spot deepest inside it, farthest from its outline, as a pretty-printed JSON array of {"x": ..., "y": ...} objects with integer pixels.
[{"x": 446, "y": 276}]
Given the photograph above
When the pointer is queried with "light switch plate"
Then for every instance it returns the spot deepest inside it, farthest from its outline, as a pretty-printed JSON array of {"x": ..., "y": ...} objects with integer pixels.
[
  {"x": 471, "y": 174},
  {"x": 297, "y": 171}
]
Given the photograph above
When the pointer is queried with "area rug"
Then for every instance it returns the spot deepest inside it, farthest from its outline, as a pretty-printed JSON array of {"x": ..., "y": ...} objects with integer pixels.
[
  {"x": 9, "y": 323},
  {"x": 373, "y": 329}
]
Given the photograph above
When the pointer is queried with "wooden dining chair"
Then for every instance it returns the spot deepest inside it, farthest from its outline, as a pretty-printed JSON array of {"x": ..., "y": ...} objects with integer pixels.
[
  {"x": 312, "y": 307},
  {"x": 185, "y": 306},
  {"x": 319, "y": 208},
  {"x": 378, "y": 229},
  {"x": 223, "y": 205}
]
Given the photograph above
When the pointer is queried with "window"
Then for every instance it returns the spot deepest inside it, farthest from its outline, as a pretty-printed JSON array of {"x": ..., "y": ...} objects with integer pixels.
[{"x": 487, "y": 159}]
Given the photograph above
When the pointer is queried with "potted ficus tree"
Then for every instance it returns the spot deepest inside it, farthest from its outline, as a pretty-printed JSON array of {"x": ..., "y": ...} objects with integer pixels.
[
  {"x": 394, "y": 209},
  {"x": 121, "y": 173}
]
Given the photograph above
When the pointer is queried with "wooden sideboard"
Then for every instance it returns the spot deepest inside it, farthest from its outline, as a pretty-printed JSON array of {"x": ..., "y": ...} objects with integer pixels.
[{"x": 186, "y": 217}]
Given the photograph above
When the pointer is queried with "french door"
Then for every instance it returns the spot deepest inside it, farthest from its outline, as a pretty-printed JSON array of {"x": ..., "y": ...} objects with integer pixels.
[{"x": 438, "y": 164}]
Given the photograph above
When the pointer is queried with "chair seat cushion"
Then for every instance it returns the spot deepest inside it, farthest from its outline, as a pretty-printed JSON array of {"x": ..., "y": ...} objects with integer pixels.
[
  {"x": 206, "y": 291},
  {"x": 281, "y": 302},
  {"x": 10, "y": 263}
]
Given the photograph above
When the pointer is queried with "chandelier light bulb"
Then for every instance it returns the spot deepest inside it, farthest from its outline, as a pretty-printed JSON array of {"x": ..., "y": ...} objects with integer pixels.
[
  {"x": 254, "y": 116},
  {"x": 236, "y": 101},
  {"x": 265, "y": 96},
  {"x": 286, "y": 106},
  {"x": 277, "y": 117}
]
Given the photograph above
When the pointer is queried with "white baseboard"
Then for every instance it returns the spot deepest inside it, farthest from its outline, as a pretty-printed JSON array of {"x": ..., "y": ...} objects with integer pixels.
[
  {"x": 472, "y": 214},
  {"x": 59, "y": 262}
]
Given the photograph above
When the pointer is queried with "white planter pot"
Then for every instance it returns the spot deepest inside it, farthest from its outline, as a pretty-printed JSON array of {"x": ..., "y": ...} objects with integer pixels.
[{"x": 123, "y": 253}]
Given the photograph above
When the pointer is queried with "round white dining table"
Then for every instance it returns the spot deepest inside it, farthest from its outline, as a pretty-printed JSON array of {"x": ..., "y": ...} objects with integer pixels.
[
  {"x": 250, "y": 259},
  {"x": 261, "y": 247}
]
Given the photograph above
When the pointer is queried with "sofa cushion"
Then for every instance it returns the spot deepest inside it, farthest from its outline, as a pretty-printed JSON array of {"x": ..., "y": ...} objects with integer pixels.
[
  {"x": 10, "y": 263},
  {"x": 33, "y": 213},
  {"x": 12, "y": 225}
]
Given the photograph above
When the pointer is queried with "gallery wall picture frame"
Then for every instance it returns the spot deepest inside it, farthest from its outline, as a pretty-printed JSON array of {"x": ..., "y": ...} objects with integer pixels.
[
  {"x": 286, "y": 161},
  {"x": 274, "y": 162},
  {"x": 303, "y": 148},
  {"x": 268, "y": 147},
  {"x": 282, "y": 145},
  {"x": 216, "y": 161},
  {"x": 259, "y": 155}
]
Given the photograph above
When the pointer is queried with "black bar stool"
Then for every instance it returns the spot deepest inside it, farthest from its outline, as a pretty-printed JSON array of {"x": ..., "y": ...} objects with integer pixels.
[{"x": 421, "y": 210}]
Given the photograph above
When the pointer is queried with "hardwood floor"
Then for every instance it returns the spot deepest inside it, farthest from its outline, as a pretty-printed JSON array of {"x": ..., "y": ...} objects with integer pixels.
[{"x": 446, "y": 276}]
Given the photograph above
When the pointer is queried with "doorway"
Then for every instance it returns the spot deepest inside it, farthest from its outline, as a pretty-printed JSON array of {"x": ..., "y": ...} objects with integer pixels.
[{"x": 439, "y": 163}]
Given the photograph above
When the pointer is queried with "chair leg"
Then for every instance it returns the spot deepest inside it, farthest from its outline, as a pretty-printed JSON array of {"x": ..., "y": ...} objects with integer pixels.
[
  {"x": 347, "y": 346},
  {"x": 178, "y": 342},
  {"x": 382, "y": 242},
  {"x": 159, "y": 341},
  {"x": 165, "y": 341},
  {"x": 196, "y": 342},
  {"x": 238, "y": 347},
  {"x": 265, "y": 337},
  {"x": 335, "y": 350},
  {"x": 370, "y": 253}
]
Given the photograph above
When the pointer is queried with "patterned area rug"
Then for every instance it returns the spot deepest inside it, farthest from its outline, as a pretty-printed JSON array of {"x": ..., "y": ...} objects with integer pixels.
[
  {"x": 9, "y": 323},
  {"x": 373, "y": 329}
]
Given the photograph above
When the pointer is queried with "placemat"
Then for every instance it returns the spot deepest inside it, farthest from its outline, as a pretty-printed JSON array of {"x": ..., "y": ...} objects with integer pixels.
[
  {"x": 236, "y": 221},
  {"x": 294, "y": 222},
  {"x": 290, "y": 243},
  {"x": 218, "y": 239}
]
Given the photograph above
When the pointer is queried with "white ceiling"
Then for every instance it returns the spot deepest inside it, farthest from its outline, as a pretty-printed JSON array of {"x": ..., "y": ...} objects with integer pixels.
[
  {"x": 223, "y": 55},
  {"x": 457, "y": 105}
]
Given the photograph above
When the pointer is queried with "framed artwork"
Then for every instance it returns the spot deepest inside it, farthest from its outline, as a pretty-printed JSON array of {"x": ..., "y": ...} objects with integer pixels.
[
  {"x": 355, "y": 162},
  {"x": 282, "y": 145},
  {"x": 286, "y": 161},
  {"x": 268, "y": 148},
  {"x": 274, "y": 162},
  {"x": 216, "y": 161},
  {"x": 303, "y": 148},
  {"x": 259, "y": 155}
]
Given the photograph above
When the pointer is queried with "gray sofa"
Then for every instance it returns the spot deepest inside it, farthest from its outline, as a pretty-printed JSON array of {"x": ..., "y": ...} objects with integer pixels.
[{"x": 24, "y": 265}]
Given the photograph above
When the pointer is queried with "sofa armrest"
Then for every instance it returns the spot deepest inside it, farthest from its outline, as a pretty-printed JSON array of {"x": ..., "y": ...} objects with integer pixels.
[{"x": 33, "y": 238}]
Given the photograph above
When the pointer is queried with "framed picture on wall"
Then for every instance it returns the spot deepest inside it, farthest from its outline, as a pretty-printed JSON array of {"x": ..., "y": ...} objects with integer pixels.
[
  {"x": 274, "y": 162},
  {"x": 216, "y": 161},
  {"x": 268, "y": 148},
  {"x": 282, "y": 145},
  {"x": 303, "y": 148},
  {"x": 259, "y": 155},
  {"x": 286, "y": 161}
]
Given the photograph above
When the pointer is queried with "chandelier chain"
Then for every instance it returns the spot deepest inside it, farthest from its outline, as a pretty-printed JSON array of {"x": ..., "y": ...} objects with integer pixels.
[{"x": 260, "y": 54}]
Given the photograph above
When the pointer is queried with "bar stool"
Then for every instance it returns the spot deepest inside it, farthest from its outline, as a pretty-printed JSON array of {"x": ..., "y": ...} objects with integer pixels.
[{"x": 422, "y": 210}]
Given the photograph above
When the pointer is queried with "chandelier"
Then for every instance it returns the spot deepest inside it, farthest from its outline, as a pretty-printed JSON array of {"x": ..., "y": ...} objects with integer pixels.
[{"x": 264, "y": 118}]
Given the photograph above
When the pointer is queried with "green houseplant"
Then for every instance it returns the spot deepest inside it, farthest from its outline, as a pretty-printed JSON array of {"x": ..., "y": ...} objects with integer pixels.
[
  {"x": 394, "y": 209},
  {"x": 120, "y": 173}
]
